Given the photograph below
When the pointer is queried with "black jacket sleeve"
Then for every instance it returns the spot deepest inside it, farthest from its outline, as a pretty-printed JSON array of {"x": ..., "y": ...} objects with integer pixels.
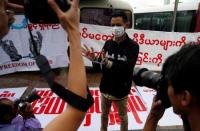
[
  {"x": 132, "y": 55},
  {"x": 97, "y": 66}
]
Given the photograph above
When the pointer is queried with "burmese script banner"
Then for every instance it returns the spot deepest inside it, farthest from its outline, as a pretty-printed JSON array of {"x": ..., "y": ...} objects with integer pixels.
[
  {"x": 139, "y": 104},
  {"x": 16, "y": 50}
]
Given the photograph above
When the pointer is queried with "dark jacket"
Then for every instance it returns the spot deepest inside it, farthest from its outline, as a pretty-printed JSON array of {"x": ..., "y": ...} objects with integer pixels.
[{"x": 117, "y": 80}]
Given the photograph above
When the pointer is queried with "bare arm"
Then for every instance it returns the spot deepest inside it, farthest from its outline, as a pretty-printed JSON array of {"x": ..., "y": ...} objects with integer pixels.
[
  {"x": 1, "y": 5},
  {"x": 154, "y": 116},
  {"x": 15, "y": 7},
  {"x": 71, "y": 119}
]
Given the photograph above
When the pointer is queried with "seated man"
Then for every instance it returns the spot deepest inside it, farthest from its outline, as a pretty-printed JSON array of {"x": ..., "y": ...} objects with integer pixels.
[
  {"x": 13, "y": 118},
  {"x": 181, "y": 70}
]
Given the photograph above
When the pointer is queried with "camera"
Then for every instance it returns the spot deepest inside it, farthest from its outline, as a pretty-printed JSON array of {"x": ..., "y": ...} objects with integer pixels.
[
  {"x": 21, "y": 103},
  {"x": 154, "y": 80},
  {"x": 39, "y": 11}
]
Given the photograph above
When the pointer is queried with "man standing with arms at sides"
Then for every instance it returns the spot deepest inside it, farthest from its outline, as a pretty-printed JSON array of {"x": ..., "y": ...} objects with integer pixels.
[{"x": 117, "y": 61}]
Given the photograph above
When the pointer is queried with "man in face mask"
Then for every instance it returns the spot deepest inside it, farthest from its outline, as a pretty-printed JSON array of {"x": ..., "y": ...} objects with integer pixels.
[{"x": 116, "y": 62}]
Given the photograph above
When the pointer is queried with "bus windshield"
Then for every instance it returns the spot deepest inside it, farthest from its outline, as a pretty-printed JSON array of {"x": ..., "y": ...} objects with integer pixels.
[
  {"x": 101, "y": 16},
  {"x": 162, "y": 21}
]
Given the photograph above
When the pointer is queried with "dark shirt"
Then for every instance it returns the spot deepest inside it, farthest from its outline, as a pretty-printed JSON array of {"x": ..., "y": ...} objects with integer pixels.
[
  {"x": 19, "y": 124},
  {"x": 117, "y": 80}
]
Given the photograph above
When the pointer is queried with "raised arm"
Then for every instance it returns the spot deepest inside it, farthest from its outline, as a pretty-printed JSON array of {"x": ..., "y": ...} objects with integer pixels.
[
  {"x": 15, "y": 7},
  {"x": 71, "y": 119}
]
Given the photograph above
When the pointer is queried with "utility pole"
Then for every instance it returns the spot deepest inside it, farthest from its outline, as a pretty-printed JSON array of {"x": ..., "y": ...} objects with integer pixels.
[{"x": 174, "y": 15}]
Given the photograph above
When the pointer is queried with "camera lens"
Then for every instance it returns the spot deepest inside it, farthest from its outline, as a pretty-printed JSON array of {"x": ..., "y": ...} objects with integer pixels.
[
  {"x": 150, "y": 79},
  {"x": 144, "y": 77}
]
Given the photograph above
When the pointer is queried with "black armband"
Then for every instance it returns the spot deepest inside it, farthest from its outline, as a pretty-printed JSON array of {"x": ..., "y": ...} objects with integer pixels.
[{"x": 71, "y": 98}]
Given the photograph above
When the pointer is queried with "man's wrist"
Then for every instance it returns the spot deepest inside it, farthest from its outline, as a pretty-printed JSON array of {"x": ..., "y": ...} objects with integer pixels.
[
  {"x": 153, "y": 119},
  {"x": 107, "y": 63},
  {"x": 72, "y": 28},
  {"x": 150, "y": 124}
]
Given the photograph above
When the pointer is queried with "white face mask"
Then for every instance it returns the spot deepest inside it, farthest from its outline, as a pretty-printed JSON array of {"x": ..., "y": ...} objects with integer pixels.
[{"x": 118, "y": 31}]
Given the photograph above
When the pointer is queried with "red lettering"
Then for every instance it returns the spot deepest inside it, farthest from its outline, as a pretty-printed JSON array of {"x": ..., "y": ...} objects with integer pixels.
[
  {"x": 43, "y": 103},
  {"x": 165, "y": 44},
  {"x": 56, "y": 109},
  {"x": 117, "y": 118},
  {"x": 144, "y": 57},
  {"x": 136, "y": 116},
  {"x": 97, "y": 107},
  {"x": 138, "y": 103},
  {"x": 112, "y": 119},
  {"x": 7, "y": 94},
  {"x": 87, "y": 120}
]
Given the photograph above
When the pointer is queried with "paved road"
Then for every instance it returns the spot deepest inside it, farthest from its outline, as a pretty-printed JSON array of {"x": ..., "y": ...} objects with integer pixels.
[
  {"x": 161, "y": 130},
  {"x": 174, "y": 128}
]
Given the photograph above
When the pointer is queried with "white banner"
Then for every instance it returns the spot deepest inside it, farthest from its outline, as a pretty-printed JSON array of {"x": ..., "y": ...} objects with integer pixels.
[
  {"x": 139, "y": 105},
  {"x": 12, "y": 93},
  {"x": 155, "y": 46},
  {"x": 16, "y": 50}
]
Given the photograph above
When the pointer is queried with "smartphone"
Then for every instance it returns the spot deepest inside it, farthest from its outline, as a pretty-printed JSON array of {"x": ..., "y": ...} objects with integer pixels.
[{"x": 39, "y": 11}]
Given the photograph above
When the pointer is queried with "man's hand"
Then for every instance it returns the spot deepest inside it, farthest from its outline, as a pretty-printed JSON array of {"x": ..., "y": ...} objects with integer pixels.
[
  {"x": 27, "y": 111},
  {"x": 156, "y": 112},
  {"x": 15, "y": 7},
  {"x": 88, "y": 53},
  {"x": 69, "y": 19}
]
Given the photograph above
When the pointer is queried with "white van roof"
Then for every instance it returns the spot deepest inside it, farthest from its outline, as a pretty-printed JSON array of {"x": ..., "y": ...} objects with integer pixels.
[
  {"x": 164, "y": 8},
  {"x": 116, "y": 4}
]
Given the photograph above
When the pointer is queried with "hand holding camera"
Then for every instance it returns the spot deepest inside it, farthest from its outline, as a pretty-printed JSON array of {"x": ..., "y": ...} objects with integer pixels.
[
  {"x": 68, "y": 19},
  {"x": 26, "y": 111},
  {"x": 150, "y": 79},
  {"x": 157, "y": 110},
  {"x": 24, "y": 104}
]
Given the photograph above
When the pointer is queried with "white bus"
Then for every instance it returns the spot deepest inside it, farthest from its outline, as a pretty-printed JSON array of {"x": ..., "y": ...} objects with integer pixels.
[
  {"x": 99, "y": 12},
  {"x": 160, "y": 18}
]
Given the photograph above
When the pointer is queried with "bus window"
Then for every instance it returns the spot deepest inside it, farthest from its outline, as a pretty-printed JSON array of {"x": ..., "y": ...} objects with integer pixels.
[
  {"x": 160, "y": 17},
  {"x": 101, "y": 16},
  {"x": 143, "y": 21},
  {"x": 185, "y": 21},
  {"x": 161, "y": 21}
]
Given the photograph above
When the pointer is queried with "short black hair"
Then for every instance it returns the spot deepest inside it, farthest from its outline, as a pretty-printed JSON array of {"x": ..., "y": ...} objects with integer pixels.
[
  {"x": 7, "y": 112},
  {"x": 182, "y": 69},
  {"x": 120, "y": 14}
]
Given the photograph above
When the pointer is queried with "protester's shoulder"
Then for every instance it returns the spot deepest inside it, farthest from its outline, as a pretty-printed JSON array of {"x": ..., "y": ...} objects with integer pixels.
[
  {"x": 109, "y": 41},
  {"x": 133, "y": 44}
]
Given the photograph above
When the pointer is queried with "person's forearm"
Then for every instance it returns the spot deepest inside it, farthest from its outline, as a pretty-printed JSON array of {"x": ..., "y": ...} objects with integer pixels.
[
  {"x": 72, "y": 119},
  {"x": 150, "y": 124},
  {"x": 15, "y": 7},
  {"x": 2, "y": 6},
  {"x": 77, "y": 76}
]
